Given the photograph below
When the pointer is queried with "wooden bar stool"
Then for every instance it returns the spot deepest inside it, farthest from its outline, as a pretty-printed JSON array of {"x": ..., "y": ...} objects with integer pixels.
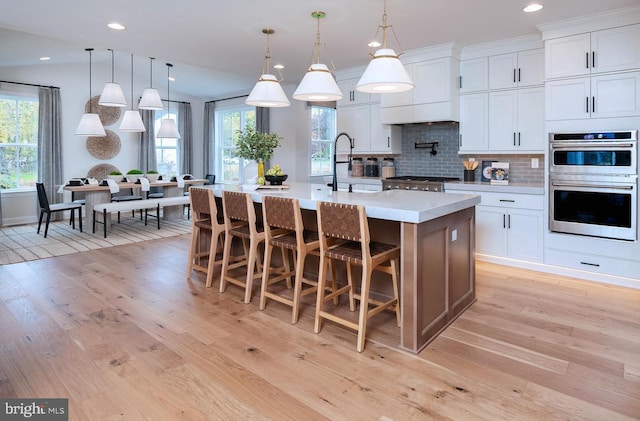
[
  {"x": 205, "y": 218},
  {"x": 284, "y": 229},
  {"x": 240, "y": 222},
  {"x": 344, "y": 235}
]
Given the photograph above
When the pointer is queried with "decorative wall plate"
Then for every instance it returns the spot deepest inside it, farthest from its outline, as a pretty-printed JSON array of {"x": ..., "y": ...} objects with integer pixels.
[
  {"x": 108, "y": 115},
  {"x": 101, "y": 171},
  {"x": 104, "y": 147}
]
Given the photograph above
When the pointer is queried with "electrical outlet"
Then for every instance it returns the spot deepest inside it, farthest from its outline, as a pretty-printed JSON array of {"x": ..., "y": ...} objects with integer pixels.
[
  {"x": 472, "y": 159},
  {"x": 534, "y": 163}
]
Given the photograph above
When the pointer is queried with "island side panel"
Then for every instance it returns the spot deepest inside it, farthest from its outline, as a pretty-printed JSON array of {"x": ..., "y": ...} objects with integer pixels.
[{"x": 437, "y": 276}]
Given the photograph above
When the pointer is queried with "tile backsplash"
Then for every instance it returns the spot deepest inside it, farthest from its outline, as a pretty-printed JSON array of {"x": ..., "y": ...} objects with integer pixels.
[{"x": 447, "y": 162}]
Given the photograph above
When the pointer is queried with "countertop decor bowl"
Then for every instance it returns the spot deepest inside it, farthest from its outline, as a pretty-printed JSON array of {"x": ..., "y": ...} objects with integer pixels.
[{"x": 276, "y": 180}]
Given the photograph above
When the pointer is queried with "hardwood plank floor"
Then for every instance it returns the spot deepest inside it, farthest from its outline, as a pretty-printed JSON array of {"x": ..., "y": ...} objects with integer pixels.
[{"x": 123, "y": 335}]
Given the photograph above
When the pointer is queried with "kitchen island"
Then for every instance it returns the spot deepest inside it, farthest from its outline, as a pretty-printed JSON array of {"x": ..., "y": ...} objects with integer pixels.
[{"x": 436, "y": 233}]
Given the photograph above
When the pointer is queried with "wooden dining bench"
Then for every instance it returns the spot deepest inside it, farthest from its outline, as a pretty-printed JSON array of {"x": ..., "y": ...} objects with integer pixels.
[{"x": 142, "y": 205}]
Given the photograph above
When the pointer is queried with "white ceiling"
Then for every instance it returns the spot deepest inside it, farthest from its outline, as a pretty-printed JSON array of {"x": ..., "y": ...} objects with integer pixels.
[{"x": 217, "y": 47}]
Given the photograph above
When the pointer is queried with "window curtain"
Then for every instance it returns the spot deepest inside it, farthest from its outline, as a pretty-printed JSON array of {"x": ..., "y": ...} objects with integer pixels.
[
  {"x": 262, "y": 125},
  {"x": 147, "y": 148},
  {"x": 262, "y": 119},
  {"x": 185, "y": 143},
  {"x": 50, "y": 142},
  {"x": 209, "y": 136}
]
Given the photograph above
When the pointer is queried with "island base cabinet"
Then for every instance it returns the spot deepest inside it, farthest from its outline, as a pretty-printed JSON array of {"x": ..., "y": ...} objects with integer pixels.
[{"x": 437, "y": 276}]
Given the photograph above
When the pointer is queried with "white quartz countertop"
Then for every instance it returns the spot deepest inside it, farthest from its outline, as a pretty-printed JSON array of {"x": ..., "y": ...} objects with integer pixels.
[
  {"x": 479, "y": 186},
  {"x": 393, "y": 205}
]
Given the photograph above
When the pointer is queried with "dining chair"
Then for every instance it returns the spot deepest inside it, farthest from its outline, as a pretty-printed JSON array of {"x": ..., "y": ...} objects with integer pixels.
[
  {"x": 47, "y": 208},
  {"x": 240, "y": 222},
  {"x": 344, "y": 236},
  {"x": 205, "y": 220},
  {"x": 284, "y": 229}
]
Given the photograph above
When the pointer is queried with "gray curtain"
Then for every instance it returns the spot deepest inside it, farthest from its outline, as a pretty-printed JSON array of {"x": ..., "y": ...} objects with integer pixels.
[
  {"x": 185, "y": 143},
  {"x": 147, "y": 149},
  {"x": 262, "y": 119},
  {"x": 209, "y": 136},
  {"x": 262, "y": 126},
  {"x": 50, "y": 142}
]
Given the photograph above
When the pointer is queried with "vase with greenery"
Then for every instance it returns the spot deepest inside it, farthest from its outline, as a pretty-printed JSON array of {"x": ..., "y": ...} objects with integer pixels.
[{"x": 256, "y": 146}]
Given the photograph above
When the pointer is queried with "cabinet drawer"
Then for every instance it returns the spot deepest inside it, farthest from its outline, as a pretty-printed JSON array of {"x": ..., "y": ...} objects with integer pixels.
[
  {"x": 506, "y": 200},
  {"x": 592, "y": 263}
]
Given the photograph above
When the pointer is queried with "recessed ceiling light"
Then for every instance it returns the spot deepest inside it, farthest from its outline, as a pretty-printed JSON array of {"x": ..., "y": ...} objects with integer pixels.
[
  {"x": 278, "y": 66},
  {"x": 45, "y": 58},
  {"x": 172, "y": 79},
  {"x": 534, "y": 7},
  {"x": 116, "y": 25},
  {"x": 374, "y": 44}
]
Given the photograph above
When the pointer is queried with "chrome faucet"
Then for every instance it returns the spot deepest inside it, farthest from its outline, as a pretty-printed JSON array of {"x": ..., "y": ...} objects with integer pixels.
[{"x": 334, "y": 186}]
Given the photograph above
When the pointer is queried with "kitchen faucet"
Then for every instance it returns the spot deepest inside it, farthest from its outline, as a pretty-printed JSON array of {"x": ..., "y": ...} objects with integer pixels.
[{"x": 334, "y": 186}]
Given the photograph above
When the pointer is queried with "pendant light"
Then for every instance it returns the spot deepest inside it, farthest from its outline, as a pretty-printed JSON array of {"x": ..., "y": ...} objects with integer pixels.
[
  {"x": 385, "y": 72},
  {"x": 112, "y": 95},
  {"x": 132, "y": 122},
  {"x": 318, "y": 84},
  {"x": 267, "y": 92},
  {"x": 168, "y": 129},
  {"x": 90, "y": 124},
  {"x": 150, "y": 97}
]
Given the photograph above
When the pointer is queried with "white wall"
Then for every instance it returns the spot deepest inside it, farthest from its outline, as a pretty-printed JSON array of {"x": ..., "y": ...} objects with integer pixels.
[{"x": 73, "y": 81}]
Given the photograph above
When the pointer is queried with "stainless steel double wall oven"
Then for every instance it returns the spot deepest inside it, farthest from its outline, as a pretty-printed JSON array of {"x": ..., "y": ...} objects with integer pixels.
[{"x": 593, "y": 184}]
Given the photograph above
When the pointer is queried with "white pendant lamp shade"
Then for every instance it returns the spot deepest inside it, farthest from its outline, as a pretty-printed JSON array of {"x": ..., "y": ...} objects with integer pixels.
[
  {"x": 150, "y": 100},
  {"x": 90, "y": 125},
  {"x": 168, "y": 129},
  {"x": 267, "y": 93},
  {"x": 385, "y": 73},
  {"x": 132, "y": 122},
  {"x": 112, "y": 96},
  {"x": 318, "y": 84}
]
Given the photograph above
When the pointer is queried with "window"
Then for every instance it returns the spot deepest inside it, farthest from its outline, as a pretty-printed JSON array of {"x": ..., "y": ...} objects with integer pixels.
[
  {"x": 166, "y": 149},
  {"x": 18, "y": 140},
  {"x": 323, "y": 133},
  {"x": 228, "y": 123}
]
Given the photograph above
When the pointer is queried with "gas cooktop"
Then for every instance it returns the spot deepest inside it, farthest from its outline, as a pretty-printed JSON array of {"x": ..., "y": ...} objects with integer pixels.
[{"x": 423, "y": 178}]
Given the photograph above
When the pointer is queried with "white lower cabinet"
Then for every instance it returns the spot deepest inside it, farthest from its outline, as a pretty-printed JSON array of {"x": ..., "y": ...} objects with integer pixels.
[
  {"x": 509, "y": 225},
  {"x": 509, "y": 232}
]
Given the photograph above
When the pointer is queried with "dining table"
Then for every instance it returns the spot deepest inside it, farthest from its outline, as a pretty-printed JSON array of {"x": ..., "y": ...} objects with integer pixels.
[{"x": 99, "y": 193}]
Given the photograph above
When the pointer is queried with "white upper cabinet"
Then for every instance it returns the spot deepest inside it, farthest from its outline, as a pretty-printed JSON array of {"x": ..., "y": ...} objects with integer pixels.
[
  {"x": 434, "y": 98},
  {"x": 351, "y": 96},
  {"x": 474, "y": 119},
  {"x": 474, "y": 75},
  {"x": 512, "y": 70},
  {"x": 516, "y": 120},
  {"x": 602, "y": 96},
  {"x": 609, "y": 50}
]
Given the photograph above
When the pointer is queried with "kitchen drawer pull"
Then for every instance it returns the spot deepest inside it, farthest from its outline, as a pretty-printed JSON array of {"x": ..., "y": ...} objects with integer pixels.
[
  {"x": 508, "y": 200},
  {"x": 504, "y": 221},
  {"x": 590, "y": 264},
  {"x": 587, "y": 102},
  {"x": 519, "y": 74},
  {"x": 514, "y": 75},
  {"x": 593, "y": 104},
  {"x": 587, "y": 59}
]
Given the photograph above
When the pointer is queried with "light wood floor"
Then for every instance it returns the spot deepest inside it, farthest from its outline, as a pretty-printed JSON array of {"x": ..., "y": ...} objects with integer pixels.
[{"x": 123, "y": 335}]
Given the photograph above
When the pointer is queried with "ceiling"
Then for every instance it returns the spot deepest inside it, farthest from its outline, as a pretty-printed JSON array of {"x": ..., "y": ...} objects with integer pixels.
[{"x": 218, "y": 47}]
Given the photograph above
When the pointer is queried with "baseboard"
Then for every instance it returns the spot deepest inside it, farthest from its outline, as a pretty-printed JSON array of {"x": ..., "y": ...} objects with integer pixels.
[{"x": 557, "y": 270}]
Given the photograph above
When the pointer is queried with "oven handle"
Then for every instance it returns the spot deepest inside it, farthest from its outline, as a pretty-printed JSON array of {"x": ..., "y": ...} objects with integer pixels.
[
  {"x": 615, "y": 187},
  {"x": 591, "y": 145}
]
